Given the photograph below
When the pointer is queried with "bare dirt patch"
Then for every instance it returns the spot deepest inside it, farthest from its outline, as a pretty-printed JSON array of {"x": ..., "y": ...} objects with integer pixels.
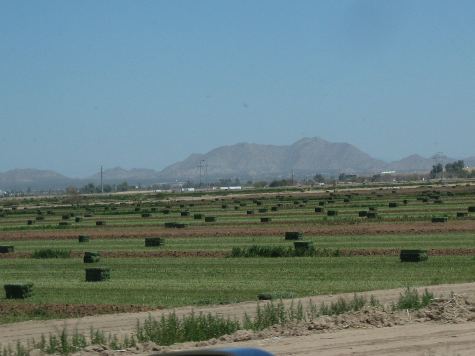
[
  {"x": 452, "y": 310},
  {"x": 221, "y": 254},
  {"x": 274, "y": 229},
  {"x": 68, "y": 310},
  {"x": 124, "y": 323}
]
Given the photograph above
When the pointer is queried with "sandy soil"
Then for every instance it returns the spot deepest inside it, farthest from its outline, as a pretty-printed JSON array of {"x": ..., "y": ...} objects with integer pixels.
[
  {"x": 412, "y": 337},
  {"x": 422, "y": 339}
]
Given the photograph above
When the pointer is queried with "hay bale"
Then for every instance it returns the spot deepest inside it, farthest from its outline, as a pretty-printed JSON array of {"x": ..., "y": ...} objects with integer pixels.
[
  {"x": 100, "y": 223},
  {"x": 293, "y": 235},
  {"x": 65, "y": 217},
  {"x": 321, "y": 203},
  {"x": 63, "y": 223},
  {"x": 471, "y": 209},
  {"x": 146, "y": 215},
  {"x": 7, "y": 249},
  {"x": 274, "y": 208},
  {"x": 250, "y": 212},
  {"x": 77, "y": 219},
  {"x": 264, "y": 296},
  {"x": 83, "y": 238},
  {"x": 413, "y": 255},
  {"x": 210, "y": 219},
  {"x": 371, "y": 215},
  {"x": 262, "y": 210},
  {"x": 154, "y": 241},
  {"x": 18, "y": 290},
  {"x": 362, "y": 213},
  {"x": 40, "y": 218},
  {"x": 91, "y": 257},
  {"x": 175, "y": 225},
  {"x": 266, "y": 220},
  {"x": 166, "y": 211},
  {"x": 29, "y": 222},
  {"x": 462, "y": 214},
  {"x": 439, "y": 219},
  {"x": 319, "y": 209},
  {"x": 97, "y": 274},
  {"x": 197, "y": 216},
  {"x": 332, "y": 213},
  {"x": 184, "y": 213},
  {"x": 392, "y": 204}
]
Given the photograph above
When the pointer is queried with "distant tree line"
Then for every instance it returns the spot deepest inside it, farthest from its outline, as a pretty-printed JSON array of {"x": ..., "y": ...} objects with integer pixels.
[
  {"x": 451, "y": 170},
  {"x": 91, "y": 188}
]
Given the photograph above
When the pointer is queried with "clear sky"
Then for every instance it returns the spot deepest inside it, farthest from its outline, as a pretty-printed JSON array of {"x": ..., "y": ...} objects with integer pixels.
[{"x": 146, "y": 83}]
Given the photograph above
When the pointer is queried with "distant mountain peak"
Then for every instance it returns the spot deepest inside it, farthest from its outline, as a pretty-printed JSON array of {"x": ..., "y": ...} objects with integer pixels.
[{"x": 305, "y": 157}]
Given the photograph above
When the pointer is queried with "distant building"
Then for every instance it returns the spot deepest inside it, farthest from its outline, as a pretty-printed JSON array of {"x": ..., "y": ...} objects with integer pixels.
[
  {"x": 187, "y": 190},
  {"x": 237, "y": 187}
]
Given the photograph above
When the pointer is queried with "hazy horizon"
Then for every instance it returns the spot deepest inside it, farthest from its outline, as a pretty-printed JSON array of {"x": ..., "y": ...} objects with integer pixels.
[
  {"x": 106, "y": 168},
  {"x": 145, "y": 84}
]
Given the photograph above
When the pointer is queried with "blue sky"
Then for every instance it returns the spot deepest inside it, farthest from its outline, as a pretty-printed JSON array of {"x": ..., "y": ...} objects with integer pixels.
[{"x": 146, "y": 83}]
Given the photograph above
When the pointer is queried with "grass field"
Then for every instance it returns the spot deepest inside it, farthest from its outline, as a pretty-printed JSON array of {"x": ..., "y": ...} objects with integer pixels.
[
  {"x": 170, "y": 282},
  {"x": 167, "y": 281},
  {"x": 226, "y": 243}
]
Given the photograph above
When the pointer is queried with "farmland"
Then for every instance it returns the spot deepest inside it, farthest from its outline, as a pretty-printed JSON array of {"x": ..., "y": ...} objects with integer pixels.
[{"x": 194, "y": 266}]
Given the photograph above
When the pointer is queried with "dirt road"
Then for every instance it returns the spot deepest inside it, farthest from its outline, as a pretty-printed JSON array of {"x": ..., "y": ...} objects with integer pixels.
[
  {"x": 125, "y": 323},
  {"x": 409, "y": 340}
]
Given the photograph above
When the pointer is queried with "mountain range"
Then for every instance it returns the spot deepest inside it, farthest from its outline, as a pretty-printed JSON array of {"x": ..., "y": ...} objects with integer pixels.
[{"x": 305, "y": 157}]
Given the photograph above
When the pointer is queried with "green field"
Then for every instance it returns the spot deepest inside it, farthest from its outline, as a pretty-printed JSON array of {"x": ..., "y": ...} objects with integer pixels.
[
  {"x": 173, "y": 282},
  {"x": 177, "y": 281},
  {"x": 226, "y": 243}
]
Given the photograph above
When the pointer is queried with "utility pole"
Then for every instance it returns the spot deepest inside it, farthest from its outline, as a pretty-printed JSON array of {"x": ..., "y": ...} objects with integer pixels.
[
  {"x": 102, "y": 185},
  {"x": 200, "y": 166},
  {"x": 292, "y": 177}
]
